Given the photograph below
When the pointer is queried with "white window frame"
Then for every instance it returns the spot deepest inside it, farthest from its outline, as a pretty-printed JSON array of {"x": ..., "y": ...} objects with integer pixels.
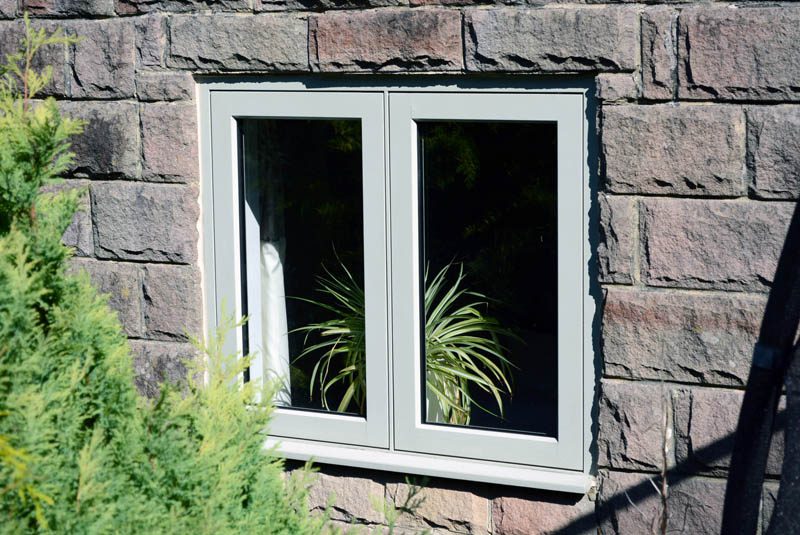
[{"x": 391, "y": 436}]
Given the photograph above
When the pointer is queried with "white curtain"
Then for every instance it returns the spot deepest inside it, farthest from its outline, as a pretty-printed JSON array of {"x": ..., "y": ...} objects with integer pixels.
[{"x": 274, "y": 327}]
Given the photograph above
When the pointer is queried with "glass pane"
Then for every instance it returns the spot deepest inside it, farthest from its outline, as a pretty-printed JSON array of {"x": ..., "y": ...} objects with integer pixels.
[
  {"x": 303, "y": 186},
  {"x": 490, "y": 263}
]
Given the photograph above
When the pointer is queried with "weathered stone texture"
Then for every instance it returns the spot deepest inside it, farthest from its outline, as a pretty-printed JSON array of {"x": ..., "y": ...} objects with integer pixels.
[
  {"x": 632, "y": 421},
  {"x": 135, "y": 7},
  {"x": 769, "y": 499},
  {"x": 705, "y": 427},
  {"x": 56, "y": 56},
  {"x": 543, "y": 514},
  {"x": 145, "y": 222},
  {"x": 8, "y": 9},
  {"x": 123, "y": 284},
  {"x": 322, "y": 5},
  {"x": 386, "y": 40},
  {"x": 156, "y": 363},
  {"x": 551, "y": 40},
  {"x": 172, "y": 307},
  {"x": 668, "y": 150},
  {"x": 68, "y": 8},
  {"x": 457, "y": 511},
  {"x": 164, "y": 86},
  {"x": 226, "y": 42},
  {"x": 631, "y": 504},
  {"x": 680, "y": 336},
  {"x": 784, "y": 519},
  {"x": 619, "y": 221},
  {"x": 659, "y": 54},
  {"x": 774, "y": 145},
  {"x": 79, "y": 233},
  {"x": 169, "y": 142},
  {"x": 712, "y": 244},
  {"x": 351, "y": 498},
  {"x": 616, "y": 87},
  {"x": 151, "y": 40},
  {"x": 104, "y": 59},
  {"x": 746, "y": 53},
  {"x": 109, "y": 144}
]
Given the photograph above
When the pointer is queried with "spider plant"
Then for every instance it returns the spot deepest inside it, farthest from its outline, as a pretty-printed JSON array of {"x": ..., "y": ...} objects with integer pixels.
[{"x": 461, "y": 344}]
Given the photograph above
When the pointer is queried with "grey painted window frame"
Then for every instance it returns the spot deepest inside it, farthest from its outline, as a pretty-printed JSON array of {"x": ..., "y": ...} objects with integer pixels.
[{"x": 404, "y": 443}]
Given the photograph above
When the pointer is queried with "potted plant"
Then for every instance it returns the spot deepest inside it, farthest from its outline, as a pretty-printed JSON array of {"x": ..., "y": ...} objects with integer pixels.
[{"x": 462, "y": 347}]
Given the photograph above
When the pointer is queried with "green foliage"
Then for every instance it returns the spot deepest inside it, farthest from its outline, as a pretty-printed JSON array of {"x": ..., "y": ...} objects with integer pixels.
[
  {"x": 461, "y": 343},
  {"x": 80, "y": 452}
]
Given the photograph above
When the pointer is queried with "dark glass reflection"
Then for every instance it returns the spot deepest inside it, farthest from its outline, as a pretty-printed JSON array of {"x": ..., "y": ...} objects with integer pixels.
[
  {"x": 489, "y": 209},
  {"x": 303, "y": 181}
]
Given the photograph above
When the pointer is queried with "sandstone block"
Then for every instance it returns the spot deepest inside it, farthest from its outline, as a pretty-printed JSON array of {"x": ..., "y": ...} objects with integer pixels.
[
  {"x": 712, "y": 244},
  {"x": 769, "y": 500},
  {"x": 151, "y": 40},
  {"x": 386, "y": 40},
  {"x": 630, "y": 504},
  {"x": 136, "y": 7},
  {"x": 632, "y": 421},
  {"x": 351, "y": 498},
  {"x": 543, "y": 514},
  {"x": 225, "y": 43},
  {"x": 79, "y": 233},
  {"x": 551, "y": 40},
  {"x": 739, "y": 54},
  {"x": 145, "y": 222},
  {"x": 123, "y": 284},
  {"x": 323, "y": 5},
  {"x": 156, "y": 363},
  {"x": 659, "y": 53},
  {"x": 104, "y": 59},
  {"x": 774, "y": 144},
  {"x": 680, "y": 336},
  {"x": 619, "y": 221},
  {"x": 164, "y": 86},
  {"x": 109, "y": 144},
  {"x": 69, "y": 8},
  {"x": 56, "y": 56},
  {"x": 705, "y": 428},
  {"x": 169, "y": 142},
  {"x": 172, "y": 302},
  {"x": 616, "y": 87},
  {"x": 8, "y": 9},
  {"x": 451, "y": 509},
  {"x": 663, "y": 149}
]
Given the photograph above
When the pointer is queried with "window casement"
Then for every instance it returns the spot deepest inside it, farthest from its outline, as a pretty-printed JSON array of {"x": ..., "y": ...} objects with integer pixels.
[{"x": 413, "y": 260}]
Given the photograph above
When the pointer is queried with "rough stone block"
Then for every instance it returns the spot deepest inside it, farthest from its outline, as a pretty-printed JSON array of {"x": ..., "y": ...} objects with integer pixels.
[
  {"x": 551, "y": 40},
  {"x": 169, "y": 142},
  {"x": 109, "y": 144},
  {"x": 450, "y": 509},
  {"x": 225, "y": 43},
  {"x": 659, "y": 53},
  {"x": 151, "y": 40},
  {"x": 631, "y": 504},
  {"x": 172, "y": 302},
  {"x": 164, "y": 86},
  {"x": 619, "y": 222},
  {"x": 104, "y": 59},
  {"x": 145, "y": 222},
  {"x": 323, "y": 5},
  {"x": 386, "y": 40},
  {"x": 769, "y": 500},
  {"x": 352, "y": 499},
  {"x": 69, "y": 8},
  {"x": 739, "y": 54},
  {"x": 123, "y": 284},
  {"x": 668, "y": 150},
  {"x": 543, "y": 514},
  {"x": 56, "y": 56},
  {"x": 680, "y": 336},
  {"x": 156, "y": 363},
  {"x": 725, "y": 245},
  {"x": 705, "y": 428},
  {"x": 774, "y": 145},
  {"x": 632, "y": 421},
  {"x": 79, "y": 233},
  {"x": 8, "y": 9},
  {"x": 616, "y": 87},
  {"x": 136, "y": 7}
]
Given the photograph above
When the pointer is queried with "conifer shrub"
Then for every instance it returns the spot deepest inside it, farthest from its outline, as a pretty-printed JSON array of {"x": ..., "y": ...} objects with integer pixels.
[{"x": 80, "y": 451}]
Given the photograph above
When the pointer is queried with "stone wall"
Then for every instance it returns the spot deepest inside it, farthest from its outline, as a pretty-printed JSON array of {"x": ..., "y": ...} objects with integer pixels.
[{"x": 699, "y": 165}]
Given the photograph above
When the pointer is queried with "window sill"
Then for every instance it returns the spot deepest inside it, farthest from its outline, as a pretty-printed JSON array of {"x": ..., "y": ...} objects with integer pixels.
[{"x": 434, "y": 465}]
